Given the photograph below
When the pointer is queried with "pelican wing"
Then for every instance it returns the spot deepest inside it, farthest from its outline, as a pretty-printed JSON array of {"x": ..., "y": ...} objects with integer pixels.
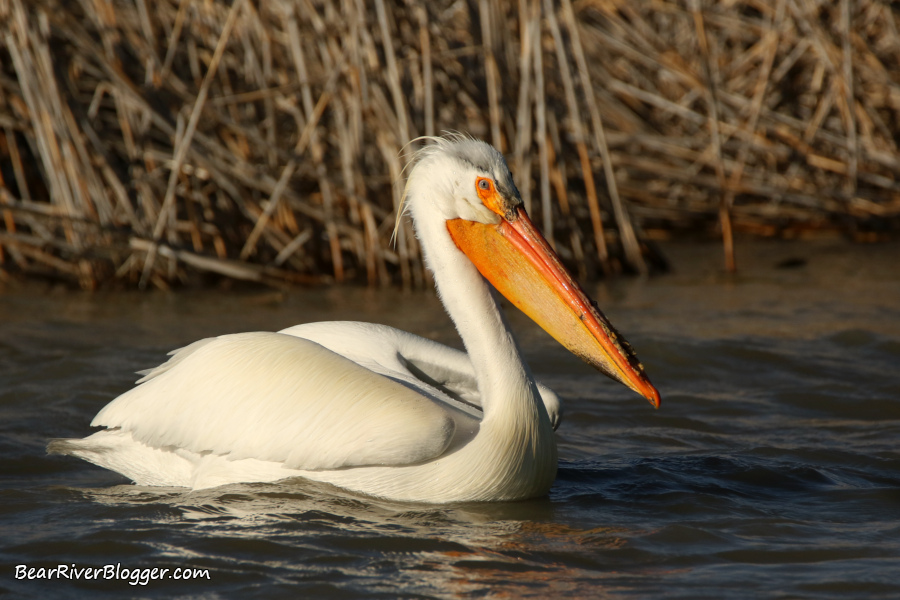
[
  {"x": 280, "y": 398},
  {"x": 444, "y": 373}
]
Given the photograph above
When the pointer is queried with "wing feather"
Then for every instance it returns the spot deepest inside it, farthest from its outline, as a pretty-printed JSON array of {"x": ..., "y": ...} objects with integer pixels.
[
  {"x": 280, "y": 398},
  {"x": 419, "y": 360}
]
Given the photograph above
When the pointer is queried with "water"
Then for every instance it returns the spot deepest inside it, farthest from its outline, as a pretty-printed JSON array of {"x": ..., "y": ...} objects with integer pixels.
[{"x": 772, "y": 469}]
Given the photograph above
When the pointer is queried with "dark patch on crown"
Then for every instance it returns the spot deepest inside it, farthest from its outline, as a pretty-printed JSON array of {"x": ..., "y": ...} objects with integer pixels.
[{"x": 458, "y": 154}]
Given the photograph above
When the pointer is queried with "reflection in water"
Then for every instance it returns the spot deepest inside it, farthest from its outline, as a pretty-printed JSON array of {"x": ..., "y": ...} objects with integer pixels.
[{"x": 458, "y": 550}]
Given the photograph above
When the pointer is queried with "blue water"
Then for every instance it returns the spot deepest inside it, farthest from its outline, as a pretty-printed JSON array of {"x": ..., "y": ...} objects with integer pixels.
[{"x": 772, "y": 469}]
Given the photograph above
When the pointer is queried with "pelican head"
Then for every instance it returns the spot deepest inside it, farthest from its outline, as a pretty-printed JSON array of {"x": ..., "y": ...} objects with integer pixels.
[
  {"x": 465, "y": 177},
  {"x": 464, "y": 187}
]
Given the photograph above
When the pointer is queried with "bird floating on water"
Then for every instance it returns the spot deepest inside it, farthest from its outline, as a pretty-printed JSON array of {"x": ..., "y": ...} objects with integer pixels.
[{"x": 371, "y": 408}]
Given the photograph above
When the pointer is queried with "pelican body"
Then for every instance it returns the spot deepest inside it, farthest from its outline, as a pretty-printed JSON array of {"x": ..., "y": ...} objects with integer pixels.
[{"x": 371, "y": 408}]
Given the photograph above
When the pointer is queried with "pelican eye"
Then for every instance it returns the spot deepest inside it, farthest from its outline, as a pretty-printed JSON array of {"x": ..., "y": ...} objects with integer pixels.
[{"x": 488, "y": 195}]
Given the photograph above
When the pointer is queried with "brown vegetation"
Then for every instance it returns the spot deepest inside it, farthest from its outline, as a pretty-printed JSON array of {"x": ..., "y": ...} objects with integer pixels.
[{"x": 147, "y": 142}]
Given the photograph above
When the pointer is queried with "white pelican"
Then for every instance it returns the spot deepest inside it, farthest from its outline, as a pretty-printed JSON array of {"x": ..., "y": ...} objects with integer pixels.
[{"x": 371, "y": 408}]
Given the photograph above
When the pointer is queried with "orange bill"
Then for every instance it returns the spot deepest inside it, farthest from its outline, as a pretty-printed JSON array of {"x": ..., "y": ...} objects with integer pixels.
[{"x": 521, "y": 265}]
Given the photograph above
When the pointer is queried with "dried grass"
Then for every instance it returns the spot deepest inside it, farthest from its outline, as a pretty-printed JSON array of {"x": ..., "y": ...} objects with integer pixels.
[{"x": 149, "y": 142}]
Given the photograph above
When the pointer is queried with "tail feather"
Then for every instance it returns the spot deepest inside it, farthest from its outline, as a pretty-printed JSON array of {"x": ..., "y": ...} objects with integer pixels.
[
  {"x": 62, "y": 446},
  {"x": 118, "y": 451}
]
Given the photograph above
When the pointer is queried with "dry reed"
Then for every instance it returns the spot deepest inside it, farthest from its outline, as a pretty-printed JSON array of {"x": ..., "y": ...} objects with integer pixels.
[{"x": 149, "y": 142}]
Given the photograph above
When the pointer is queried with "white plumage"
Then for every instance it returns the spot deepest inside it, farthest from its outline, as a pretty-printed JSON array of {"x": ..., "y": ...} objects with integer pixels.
[{"x": 371, "y": 408}]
